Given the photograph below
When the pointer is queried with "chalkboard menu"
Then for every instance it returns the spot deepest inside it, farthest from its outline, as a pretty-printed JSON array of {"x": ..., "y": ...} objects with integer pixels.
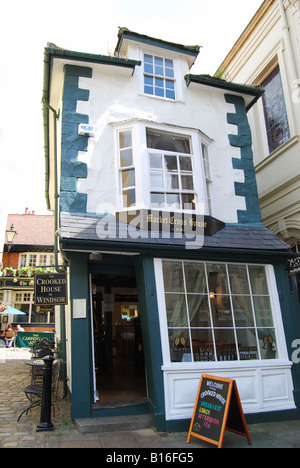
[{"x": 217, "y": 408}]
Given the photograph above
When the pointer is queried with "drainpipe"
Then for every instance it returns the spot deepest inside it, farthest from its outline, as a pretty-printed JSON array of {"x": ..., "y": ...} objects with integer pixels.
[{"x": 288, "y": 43}]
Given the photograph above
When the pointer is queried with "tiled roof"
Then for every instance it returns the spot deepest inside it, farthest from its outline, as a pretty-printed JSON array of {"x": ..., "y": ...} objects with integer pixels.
[
  {"x": 231, "y": 237},
  {"x": 32, "y": 229}
]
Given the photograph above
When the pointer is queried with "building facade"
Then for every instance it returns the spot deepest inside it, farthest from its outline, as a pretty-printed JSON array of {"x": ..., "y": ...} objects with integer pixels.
[
  {"x": 172, "y": 273},
  {"x": 32, "y": 251},
  {"x": 268, "y": 54}
]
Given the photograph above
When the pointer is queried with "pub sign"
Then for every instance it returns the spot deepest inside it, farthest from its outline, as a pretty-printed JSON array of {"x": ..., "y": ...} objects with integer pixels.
[{"x": 51, "y": 289}]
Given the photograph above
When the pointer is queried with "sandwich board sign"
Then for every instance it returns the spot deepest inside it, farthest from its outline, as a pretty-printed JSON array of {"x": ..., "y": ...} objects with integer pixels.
[{"x": 217, "y": 408}]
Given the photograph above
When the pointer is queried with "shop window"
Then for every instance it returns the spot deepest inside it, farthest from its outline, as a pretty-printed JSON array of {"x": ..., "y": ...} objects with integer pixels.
[
  {"x": 276, "y": 119},
  {"x": 159, "y": 77},
  {"x": 171, "y": 171},
  {"x": 24, "y": 301},
  {"x": 218, "y": 312},
  {"x": 127, "y": 169}
]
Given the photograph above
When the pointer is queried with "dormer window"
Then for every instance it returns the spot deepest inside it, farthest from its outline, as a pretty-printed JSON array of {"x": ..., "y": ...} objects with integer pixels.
[{"x": 159, "y": 77}]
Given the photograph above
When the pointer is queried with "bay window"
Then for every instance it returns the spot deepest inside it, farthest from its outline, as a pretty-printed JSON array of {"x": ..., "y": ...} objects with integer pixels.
[{"x": 218, "y": 312}]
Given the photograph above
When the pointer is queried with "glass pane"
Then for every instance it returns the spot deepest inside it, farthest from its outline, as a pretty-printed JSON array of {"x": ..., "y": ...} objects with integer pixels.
[
  {"x": 187, "y": 182},
  {"x": 243, "y": 313},
  {"x": 199, "y": 311},
  {"x": 128, "y": 198},
  {"x": 172, "y": 182},
  {"x": 126, "y": 158},
  {"x": 157, "y": 200},
  {"x": 173, "y": 276},
  {"x": 169, "y": 72},
  {"x": 157, "y": 181},
  {"x": 170, "y": 94},
  {"x": 128, "y": 178},
  {"x": 263, "y": 312},
  {"x": 247, "y": 344},
  {"x": 159, "y": 82},
  {"x": 171, "y": 163},
  {"x": 202, "y": 344},
  {"x": 221, "y": 311},
  {"x": 238, "y": 279},
  {"x": 258, "y": 280},
  {"x": 267, "y": 343},
  {"x": 148, "y": 90},
  {"x": 170, "y": 85},
  {"x": 159, "y": 92},
  {"x": 148, "y": 68},
  {"x": 148, "y": 58},
  {"x": 173, "y": 200},
  {"x": 156, "y": 161},
  {"x": 185, "y": 164},
  {"x": 188, "y": 201},
  {"x": 176, "y": 311},
  {"x": 159, "y": 71},
  {"x": 195, "y": 278},
  {"x": 217, "y": 279},
  {"x": 148, "y": 80},
  {"x": 125, "y": 139},
  {"x": 180, "y": 346},
  {"x": 225, "y": 345}
]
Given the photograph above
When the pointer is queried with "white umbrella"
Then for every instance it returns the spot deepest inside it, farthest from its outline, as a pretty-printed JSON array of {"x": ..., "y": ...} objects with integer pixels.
[{"x": 12, "y": 311}]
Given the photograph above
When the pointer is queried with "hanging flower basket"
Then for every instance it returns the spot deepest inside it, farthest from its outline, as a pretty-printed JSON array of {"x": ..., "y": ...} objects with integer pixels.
[{"x": 3, "y": 308}]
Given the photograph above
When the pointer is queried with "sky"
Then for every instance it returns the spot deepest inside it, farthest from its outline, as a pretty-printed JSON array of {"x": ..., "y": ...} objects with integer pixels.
[{"x": 92, "y": 27}]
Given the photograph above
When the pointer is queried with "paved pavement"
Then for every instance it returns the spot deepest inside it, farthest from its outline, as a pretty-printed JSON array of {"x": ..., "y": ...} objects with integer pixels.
[{"x": 14, "y": 377}]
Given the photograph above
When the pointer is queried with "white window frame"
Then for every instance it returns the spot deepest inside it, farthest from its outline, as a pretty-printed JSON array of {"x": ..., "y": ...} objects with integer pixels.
[
  {"x": 25, "y": 259},
  {"x": 276, "y": 313}
]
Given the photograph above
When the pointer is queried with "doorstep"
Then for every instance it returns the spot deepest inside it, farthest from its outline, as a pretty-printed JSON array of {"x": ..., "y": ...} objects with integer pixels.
[{"x": 113, "y": 424}]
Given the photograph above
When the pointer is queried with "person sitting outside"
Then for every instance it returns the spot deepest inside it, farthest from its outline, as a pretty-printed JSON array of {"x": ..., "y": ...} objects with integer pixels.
[{"x": 9, "y": 336}]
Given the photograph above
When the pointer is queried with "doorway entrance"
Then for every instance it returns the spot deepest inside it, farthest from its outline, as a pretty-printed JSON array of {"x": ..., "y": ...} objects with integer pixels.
[{"x": 119, "y": 379}]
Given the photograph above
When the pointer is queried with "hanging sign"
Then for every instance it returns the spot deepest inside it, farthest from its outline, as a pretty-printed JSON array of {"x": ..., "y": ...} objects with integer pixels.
[
  {"x": 217, "y": 408},
  {"x": 50, "y": 289}
]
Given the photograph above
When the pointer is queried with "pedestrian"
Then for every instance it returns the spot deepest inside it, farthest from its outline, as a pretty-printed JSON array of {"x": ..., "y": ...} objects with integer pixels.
[{"x": 9, "y": 336}]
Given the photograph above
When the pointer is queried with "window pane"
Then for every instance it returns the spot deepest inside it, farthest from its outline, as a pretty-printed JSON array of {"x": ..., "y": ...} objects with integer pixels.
[
  {"x": 186, "y": 164},
  {"x": 243, "y": 313},
  {"x": 173, "y": 276},
  {"x": 238, "y": 279},
  {"x": 157, "y": 200},
  {"x": 159, "y": 92},
  {"x": 221, "y": 311},
  {"x": 156, "y": 161},
  {"x": 247, "y": 344},
  {"x": 172, "y": 182},
  {"x": 179, "y": 346},
  {"x": 202, "y": 344},
  {"x": 128, "y": 198},
  {"x": 148, "y": 90},
  {"x": 199, "y": 311},
  {"x": 258, "y": 280},
  {"x": 125, "y": 139},
  {"x": 173, "y": 201},
  {"x": 157, "y": 181},
  {"x": 170, "y": 94},
  {"x": 267, "y": 343},
  {"x": 217, "y": 279},
  {"x": 170, "y": 85},
  {"x": 263, "y": 312},
  {"x": 188, "y": 201},
  {"x": 171, "y": 163},
  {"x": 126, "y": 158},
  {"x": 128, "y": 178},
  {"x": 195, "y": 278},
  {"x": 225, "y": 345},
  {"x": 148, "y": 58},
  {"x": 187, "y": 182},
  {"x": 176, "y": 311}
]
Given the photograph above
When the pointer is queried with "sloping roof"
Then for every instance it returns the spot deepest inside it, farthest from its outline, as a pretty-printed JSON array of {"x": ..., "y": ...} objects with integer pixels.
[
  {"x": 32, "y": 229},
  {"x": 258, "y": 238}
]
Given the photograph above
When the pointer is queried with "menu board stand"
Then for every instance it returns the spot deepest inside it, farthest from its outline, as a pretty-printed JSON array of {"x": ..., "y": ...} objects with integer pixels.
[{"x": 218, "y": 408}]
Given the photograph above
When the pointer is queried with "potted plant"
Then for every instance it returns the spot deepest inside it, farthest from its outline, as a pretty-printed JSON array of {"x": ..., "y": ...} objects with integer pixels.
[
  {"x": 9, "y": 271},
  {"x": 26, "y": 271}
]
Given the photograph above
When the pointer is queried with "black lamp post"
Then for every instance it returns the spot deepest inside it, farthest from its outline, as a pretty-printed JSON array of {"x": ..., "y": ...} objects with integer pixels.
[{"x": 10, "y": 236}]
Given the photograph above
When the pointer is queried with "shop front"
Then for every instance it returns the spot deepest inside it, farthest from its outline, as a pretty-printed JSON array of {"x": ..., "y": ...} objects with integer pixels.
[{"x": 159, "y": 316}]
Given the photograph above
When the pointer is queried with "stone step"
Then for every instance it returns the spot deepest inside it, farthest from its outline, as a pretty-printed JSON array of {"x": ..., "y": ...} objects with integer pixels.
[{"x": 113, "y": 424}]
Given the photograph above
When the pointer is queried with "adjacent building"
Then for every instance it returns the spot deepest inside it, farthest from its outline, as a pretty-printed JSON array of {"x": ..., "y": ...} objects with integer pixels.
[
  {"x": 172, "y": 274},
  {"x": 32, "y": 250}
]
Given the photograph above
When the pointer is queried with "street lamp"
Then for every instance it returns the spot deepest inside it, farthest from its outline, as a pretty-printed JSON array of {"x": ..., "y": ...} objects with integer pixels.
[{"x": 10, "y": 236}]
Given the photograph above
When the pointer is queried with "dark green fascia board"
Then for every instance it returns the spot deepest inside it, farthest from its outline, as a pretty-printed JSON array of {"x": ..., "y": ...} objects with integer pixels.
[
  {"x": 206, "y": 80},
  {"x": 173, "y": 251},
  {"x": 49, "y": 55},
  {"x": 125, "y": 33}
]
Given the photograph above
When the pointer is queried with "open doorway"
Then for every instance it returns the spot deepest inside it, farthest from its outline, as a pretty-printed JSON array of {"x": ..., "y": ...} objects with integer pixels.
[{"x": 118, "y": 346}]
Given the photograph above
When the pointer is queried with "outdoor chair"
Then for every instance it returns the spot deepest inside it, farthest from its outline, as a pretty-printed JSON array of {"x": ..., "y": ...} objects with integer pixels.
[
  {"x": 43, "y": 348},
  {"x": 34, "y": 392}
]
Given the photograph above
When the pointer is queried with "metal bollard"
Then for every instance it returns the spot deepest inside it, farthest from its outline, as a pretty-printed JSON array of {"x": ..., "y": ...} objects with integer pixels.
[{"x": 45, "y": 423}]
